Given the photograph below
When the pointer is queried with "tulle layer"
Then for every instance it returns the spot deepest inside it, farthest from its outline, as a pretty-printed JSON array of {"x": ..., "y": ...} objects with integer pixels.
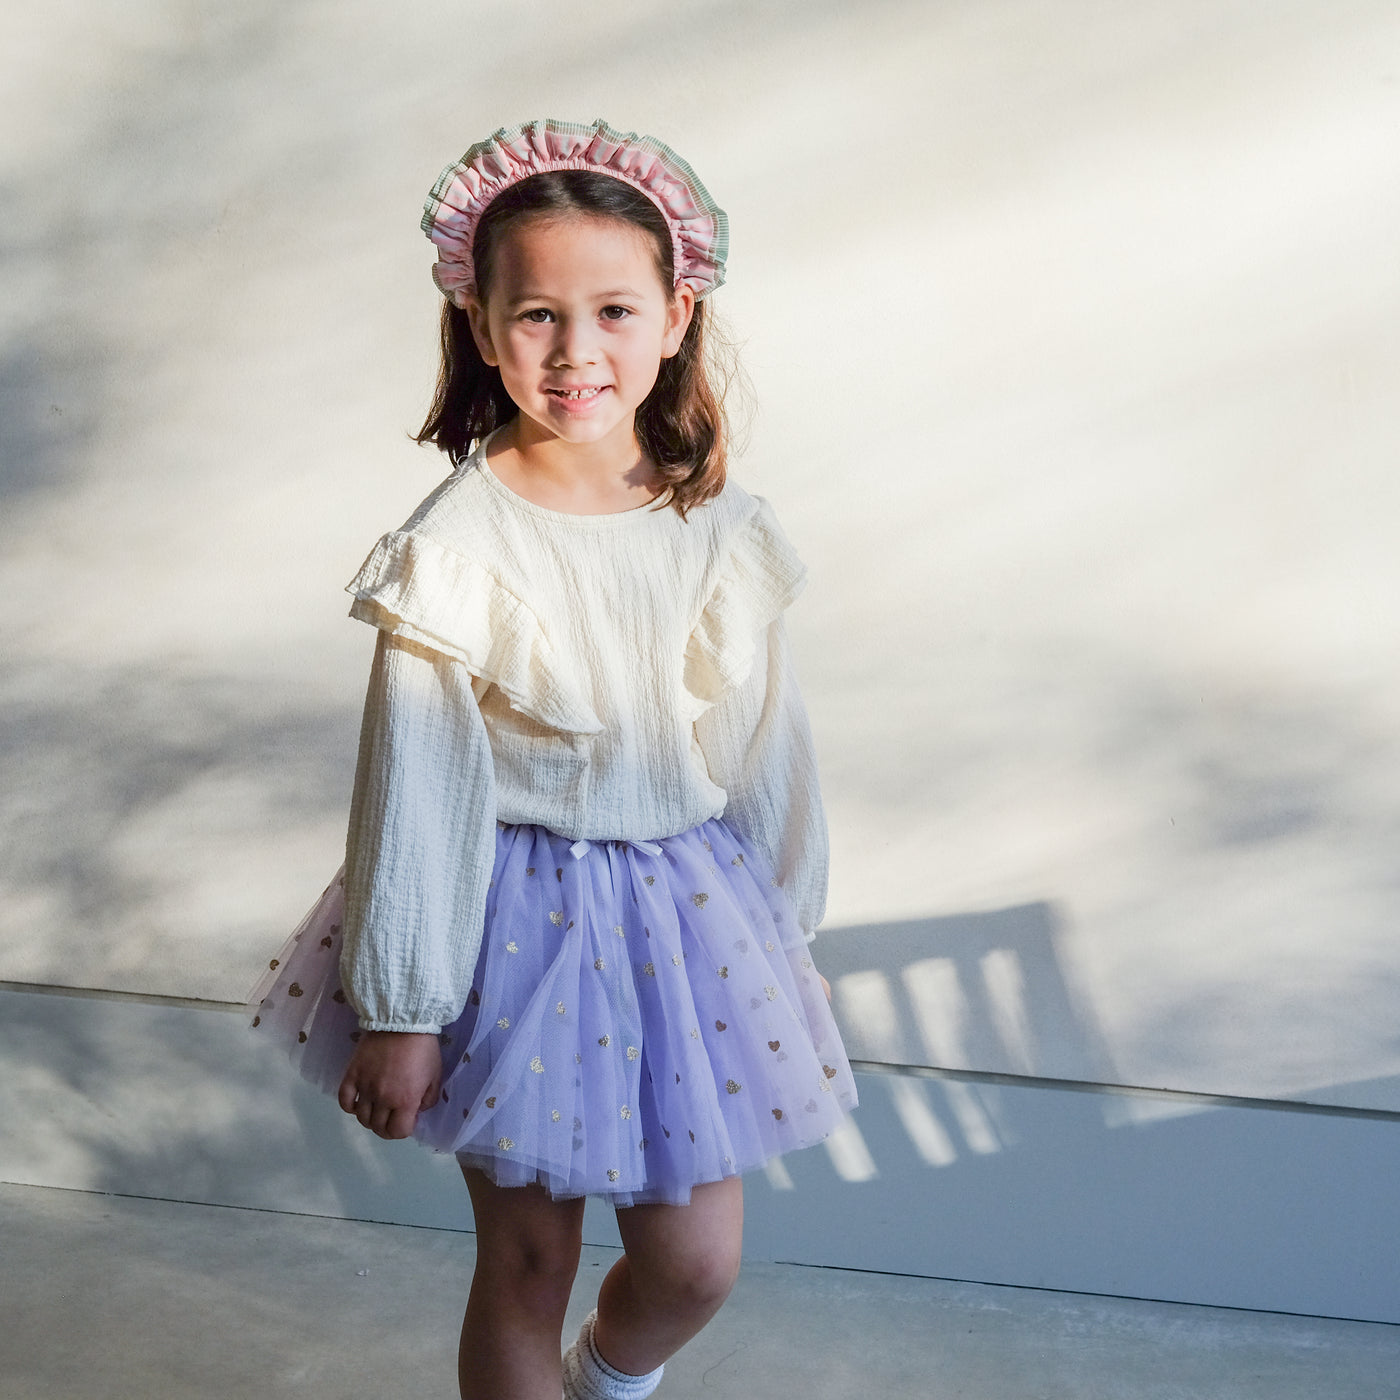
[{"x": 644, "y": 1017}]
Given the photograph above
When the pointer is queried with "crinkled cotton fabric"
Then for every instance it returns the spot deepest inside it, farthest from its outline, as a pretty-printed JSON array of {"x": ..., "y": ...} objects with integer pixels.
[
  {"x": 643, "y": 1017},
  {"x": 611, "y": 677}
]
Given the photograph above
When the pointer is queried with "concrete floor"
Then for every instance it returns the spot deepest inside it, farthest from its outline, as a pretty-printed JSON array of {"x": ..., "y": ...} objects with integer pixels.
[{"x": 115, "y": 1298}]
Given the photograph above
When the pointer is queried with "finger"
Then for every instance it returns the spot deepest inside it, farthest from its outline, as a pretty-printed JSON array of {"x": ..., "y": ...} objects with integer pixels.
[
  {"x": 400, "y": 1124},
  {"x": 347, "y": 1094},
  {"x": 430, "y": 1096}
]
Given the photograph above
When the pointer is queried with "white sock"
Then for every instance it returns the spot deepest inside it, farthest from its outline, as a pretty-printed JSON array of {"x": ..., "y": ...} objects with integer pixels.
[{"x": 588, "y": 1377}]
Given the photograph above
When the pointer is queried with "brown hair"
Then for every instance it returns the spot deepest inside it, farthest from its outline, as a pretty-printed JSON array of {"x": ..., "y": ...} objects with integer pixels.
[{"x": 680, "y": 425}]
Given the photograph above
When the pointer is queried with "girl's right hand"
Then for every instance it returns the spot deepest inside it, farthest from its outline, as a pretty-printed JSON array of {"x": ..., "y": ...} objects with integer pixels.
[{"x": 392, "y": 1077}]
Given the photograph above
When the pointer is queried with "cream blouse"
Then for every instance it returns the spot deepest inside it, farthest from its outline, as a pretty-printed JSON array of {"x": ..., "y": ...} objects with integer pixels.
[{"x": 610, "y": 677}]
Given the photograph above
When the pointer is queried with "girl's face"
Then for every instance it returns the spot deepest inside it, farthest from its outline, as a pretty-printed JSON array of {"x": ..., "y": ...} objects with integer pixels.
[{"x": 577, "y": 320}]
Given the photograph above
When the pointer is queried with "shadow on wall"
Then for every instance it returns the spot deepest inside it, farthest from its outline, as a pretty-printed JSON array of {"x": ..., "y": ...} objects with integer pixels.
[
  {"x": 48, "y": 409},
  {"x": 169, "y": 1101},
  {"x": 984, "y": 991},
  {"x": 1047, "y": 1185},
  {"x": 981, "y": 992},
  {"x": 154, "y": 826},
  {"x": 179, "y": 1103},
  {"x": 120, "y": 195}
]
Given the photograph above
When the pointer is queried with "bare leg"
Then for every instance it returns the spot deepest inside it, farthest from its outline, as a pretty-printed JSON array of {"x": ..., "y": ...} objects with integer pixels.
[
  {"x": 679, "y": 1266},
  {"x": 527, "y": 1252}
]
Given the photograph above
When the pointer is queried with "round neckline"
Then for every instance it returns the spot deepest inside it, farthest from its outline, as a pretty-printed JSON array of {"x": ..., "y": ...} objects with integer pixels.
[{"x": 568, "y": 517}]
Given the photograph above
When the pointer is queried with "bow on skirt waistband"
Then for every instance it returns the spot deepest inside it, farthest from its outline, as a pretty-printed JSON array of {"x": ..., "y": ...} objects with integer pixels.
[{"x": 581, "y": 848}]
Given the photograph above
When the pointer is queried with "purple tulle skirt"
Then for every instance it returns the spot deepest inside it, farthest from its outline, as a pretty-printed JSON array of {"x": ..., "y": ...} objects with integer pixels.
[{"x": 643, "y": 1017}]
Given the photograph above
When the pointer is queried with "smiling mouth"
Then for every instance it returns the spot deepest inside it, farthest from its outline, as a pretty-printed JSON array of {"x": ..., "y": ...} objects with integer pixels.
[{"x": 574, "y": 395}]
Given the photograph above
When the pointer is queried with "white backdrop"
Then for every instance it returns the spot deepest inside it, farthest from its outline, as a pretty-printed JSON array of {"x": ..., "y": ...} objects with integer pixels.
[{"x": 1073, "y": 330}]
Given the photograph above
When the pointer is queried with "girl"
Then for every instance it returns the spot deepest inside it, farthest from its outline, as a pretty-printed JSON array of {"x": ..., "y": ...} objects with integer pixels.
[{"x": 586, "y": 839}]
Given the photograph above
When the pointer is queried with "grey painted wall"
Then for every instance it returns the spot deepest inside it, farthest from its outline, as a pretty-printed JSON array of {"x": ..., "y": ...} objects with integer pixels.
[{"x": 1093, "y": 1192}]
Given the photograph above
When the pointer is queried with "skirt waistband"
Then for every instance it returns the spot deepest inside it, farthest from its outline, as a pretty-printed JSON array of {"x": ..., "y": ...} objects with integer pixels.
[{"x": 581, "y": 847}]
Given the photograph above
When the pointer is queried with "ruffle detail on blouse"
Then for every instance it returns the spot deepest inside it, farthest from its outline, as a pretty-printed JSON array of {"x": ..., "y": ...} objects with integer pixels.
[
  {"x": 758, "y": 580},
  {"x": 413, "y": 587}
]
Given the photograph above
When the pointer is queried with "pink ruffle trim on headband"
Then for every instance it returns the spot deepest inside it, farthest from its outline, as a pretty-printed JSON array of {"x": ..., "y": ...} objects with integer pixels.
[{"x": 699, "y": 228}]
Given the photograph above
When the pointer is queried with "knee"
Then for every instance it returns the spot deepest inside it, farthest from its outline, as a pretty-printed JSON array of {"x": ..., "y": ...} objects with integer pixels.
[
  {"x": 717, "y": 1275},
  {"x": 700, "y": 1280},
  {"x": 536, "y": 1271}
]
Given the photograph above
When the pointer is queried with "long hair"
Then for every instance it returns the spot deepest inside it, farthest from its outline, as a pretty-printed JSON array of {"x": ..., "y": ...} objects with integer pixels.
[{"x": 680, "y": 425}]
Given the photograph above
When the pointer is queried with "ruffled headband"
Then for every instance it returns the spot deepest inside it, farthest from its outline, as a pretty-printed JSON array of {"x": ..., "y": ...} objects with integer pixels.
[{"x": 699, "y": 227}]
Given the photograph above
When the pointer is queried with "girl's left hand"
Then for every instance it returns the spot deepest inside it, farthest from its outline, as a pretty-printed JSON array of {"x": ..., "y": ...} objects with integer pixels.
[{"x": 826, "y": 986}]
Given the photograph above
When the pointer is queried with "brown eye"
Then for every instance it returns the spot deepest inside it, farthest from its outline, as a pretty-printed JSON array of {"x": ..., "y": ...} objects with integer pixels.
[{"x": 615, "y": 313}]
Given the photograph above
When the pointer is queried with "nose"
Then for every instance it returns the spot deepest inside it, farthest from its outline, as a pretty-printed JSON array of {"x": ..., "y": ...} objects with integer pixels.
[{"x": 574, "y": 343}]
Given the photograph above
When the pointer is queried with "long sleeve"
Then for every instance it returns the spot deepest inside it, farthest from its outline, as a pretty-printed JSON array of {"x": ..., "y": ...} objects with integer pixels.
[
  {"x": 421, "y": 841},
  {"x": 758, "y": 747}
]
